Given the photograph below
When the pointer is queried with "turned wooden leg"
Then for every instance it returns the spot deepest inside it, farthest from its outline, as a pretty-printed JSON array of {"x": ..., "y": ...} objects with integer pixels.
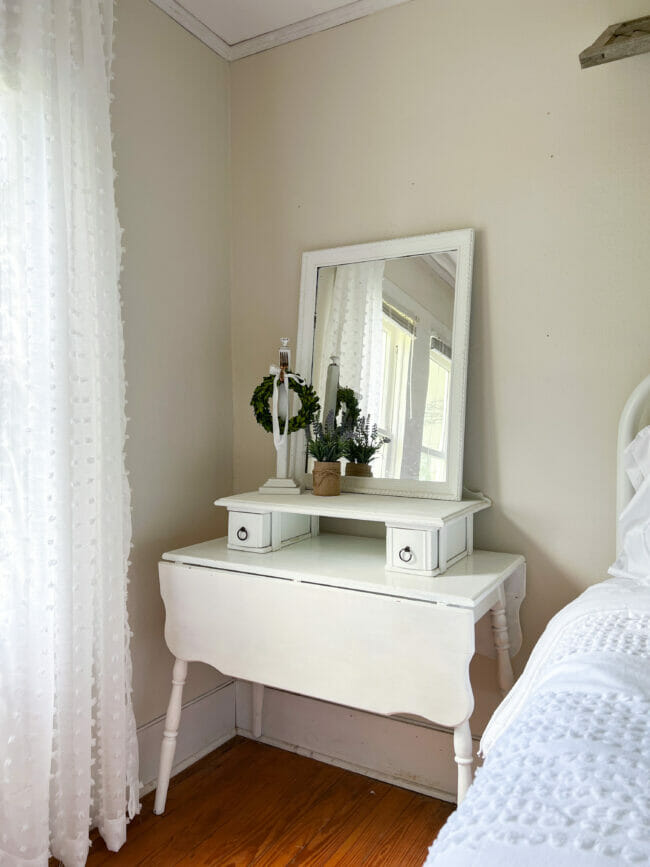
[
  {"x": 505, "y": 676},
  {"x": 168, "y": 747},
  {"x": 464, "y": 758},
  {"x": 258, "y": 701}
]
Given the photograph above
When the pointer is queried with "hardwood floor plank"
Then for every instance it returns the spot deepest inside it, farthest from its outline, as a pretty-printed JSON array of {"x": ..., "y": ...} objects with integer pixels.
[
  {"x": 240, "y": 794},
  {"x": 332, "y": 844},
  {"x": 193, "y": 807},
  {"x": 269, "y": 804},
  {"x": 251, "y": 804},
  {"x": 373, "y": 827},
  {"x": 338, "y": 802},
  {"x": 409, "y": 835},
  {"x": 191, "y": 783}
]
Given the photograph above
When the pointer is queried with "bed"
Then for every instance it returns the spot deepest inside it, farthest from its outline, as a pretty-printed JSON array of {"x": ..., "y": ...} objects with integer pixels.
[{"x": 566, "y": 772}]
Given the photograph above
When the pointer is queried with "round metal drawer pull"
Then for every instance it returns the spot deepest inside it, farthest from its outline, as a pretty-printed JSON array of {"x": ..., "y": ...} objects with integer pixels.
[
  {"x": 242, "y": 534},
  {"x": 406, "y": 555}
]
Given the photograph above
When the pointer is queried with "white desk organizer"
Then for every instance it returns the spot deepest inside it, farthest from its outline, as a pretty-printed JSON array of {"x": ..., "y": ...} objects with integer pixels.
[
  {"x": 267, "y": 531},
  {"x": 423, "y": 537}
]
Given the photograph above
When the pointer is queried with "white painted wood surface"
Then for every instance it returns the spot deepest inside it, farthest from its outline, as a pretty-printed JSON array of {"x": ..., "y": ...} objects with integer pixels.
[
  {"x": 505, "y": 676},
  {"x": 325, "y": 606},
  {"x": 409, "y": 656},
  {"x": 357, "y": 563},
  {"x": 257, "y": 701},
  {"x": 400, "y": 511},
  {"x": 422, "y": 537},
  {"x": 428, "y": 552},
  {"x": 208, "y": 722},
  {"x": 249, "y": 531},
  {"x": 172, "y": 721},
  {"x": 463, "y": 757}
]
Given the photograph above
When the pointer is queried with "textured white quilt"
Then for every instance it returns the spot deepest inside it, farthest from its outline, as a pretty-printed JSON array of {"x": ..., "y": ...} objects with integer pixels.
[{"x": 566, "y": 777}]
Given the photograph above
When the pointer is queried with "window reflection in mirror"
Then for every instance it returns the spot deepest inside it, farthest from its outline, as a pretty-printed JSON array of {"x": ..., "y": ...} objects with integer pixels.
[{"x": 390, "y": 322}]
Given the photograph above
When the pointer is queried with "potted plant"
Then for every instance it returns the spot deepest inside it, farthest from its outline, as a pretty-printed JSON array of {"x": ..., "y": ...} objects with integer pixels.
[
  {"x": 362, "y": 446},
  {"x": 327, "y": 445}
]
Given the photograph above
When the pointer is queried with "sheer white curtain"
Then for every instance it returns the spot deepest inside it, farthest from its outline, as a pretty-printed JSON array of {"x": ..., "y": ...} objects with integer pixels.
[
  {"x": 68, "y": 754},
  {"x": 353, "y": 331}
]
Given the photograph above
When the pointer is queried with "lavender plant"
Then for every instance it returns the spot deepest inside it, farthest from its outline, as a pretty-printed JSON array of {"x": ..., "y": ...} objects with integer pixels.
[
  {"x": 364, "y": 442},
  {"x": 328, "y": 441}
]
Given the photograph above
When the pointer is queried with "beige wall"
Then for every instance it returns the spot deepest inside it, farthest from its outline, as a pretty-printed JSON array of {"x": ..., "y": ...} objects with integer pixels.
[
  {"x": 442, "y": 114},
  {"x": 170, "y": 119}
]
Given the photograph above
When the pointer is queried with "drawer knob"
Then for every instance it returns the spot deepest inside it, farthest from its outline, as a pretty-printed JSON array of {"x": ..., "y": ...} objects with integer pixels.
[
  {"x": 405, "y": 555},
  {"x": 242, "y": 534}
]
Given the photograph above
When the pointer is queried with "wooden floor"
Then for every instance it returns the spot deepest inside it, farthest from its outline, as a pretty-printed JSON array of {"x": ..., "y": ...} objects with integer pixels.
[{"x": 248, "y": 803}]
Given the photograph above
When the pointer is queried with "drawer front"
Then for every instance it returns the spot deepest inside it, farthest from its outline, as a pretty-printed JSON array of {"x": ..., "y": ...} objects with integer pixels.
[
  {"x": 382, "y": 654},
  {"x": 249, "y": 530},
  {"x": 412, "y": 550}
]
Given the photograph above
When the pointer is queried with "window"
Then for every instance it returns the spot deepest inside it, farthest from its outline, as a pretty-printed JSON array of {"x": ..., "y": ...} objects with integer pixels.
[
  {"x": 398, "y": 335},
  {"x": 434, "y": 432}
]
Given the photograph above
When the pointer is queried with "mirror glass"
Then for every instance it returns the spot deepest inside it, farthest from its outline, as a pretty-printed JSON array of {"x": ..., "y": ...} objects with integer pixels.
[{"x": 390, "y": 324}]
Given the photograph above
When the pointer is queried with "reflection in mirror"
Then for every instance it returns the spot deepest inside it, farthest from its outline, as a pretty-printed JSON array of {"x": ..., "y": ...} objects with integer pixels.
[{"x": 390, "y": 323}]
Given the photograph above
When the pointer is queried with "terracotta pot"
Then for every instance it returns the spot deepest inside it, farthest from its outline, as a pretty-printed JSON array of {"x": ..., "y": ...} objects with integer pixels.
[
  {"x": 327, "y": 478},
  {"x": 358, "y": 470}
]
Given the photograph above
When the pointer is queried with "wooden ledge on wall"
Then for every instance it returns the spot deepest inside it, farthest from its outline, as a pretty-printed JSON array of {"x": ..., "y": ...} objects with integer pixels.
[{"x": 618, "y": 41}]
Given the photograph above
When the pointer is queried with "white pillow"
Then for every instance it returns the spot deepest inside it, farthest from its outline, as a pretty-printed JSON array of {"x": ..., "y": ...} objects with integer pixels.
[
  {"x": 634, "y": 520},
  {"x": 637, "y": 458}
]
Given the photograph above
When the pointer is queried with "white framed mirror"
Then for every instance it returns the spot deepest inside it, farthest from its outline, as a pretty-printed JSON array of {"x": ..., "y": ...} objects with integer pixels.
[{"x": 395, "y": 314}]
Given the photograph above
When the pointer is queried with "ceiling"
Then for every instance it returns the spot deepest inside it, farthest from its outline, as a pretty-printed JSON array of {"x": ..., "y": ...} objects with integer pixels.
[{"x": 237, "y": 28}]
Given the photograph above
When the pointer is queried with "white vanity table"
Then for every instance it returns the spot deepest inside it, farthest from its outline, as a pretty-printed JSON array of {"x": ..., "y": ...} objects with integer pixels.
[
  {"x": 326, "y": 618},
  {"x": 385, "y": 625}
]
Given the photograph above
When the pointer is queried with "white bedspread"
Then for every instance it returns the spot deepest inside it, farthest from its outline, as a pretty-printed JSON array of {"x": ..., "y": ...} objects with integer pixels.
[{"x": 566, "y": 777}]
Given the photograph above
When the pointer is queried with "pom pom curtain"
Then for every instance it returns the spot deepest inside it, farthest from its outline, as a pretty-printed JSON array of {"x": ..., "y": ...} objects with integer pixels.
[
  {"x": 68, "y": 753},
  {"x": 352, "y": 313}
]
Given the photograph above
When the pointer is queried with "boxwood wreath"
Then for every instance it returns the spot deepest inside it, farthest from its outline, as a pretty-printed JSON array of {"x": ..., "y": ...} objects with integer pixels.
[
  {"x": 309, "y": 405},
  {"x": 347, "y": 398}
]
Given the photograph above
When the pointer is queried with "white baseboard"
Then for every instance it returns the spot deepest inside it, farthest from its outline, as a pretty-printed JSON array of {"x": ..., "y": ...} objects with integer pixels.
[
  {"x": 206, "y": 722},
  {"x": 413, "y": 755}
]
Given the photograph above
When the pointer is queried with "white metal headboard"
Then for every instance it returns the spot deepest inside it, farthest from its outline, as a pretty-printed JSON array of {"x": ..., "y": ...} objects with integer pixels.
[{"x": 632, "y": 416}]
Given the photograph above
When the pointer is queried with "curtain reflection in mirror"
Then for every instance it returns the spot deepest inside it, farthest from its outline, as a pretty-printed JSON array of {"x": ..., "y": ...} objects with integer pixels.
[{"x": 350, "y": 305}]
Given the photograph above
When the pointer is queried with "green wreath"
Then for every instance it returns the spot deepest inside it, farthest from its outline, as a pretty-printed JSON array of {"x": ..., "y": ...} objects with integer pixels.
[
  {"x": 347, "y": 398},
  {"x": 302, "y": 419}
]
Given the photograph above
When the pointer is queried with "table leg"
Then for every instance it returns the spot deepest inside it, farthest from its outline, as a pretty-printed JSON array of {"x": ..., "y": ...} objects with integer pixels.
[
  {"x": 505, "y": 676},
  {"x": 258, "y": 701},
  {"x": 168, "y": 747},
  {"x": 464, "y": 757}
]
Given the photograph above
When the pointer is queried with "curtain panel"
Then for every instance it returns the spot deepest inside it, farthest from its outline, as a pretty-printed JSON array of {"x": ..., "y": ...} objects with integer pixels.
[
  {"x": 352, "y": 314},
  {"x": 68, "y": 750}
]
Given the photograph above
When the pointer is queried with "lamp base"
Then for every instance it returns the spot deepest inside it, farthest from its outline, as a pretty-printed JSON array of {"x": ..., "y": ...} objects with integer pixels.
[{"x": 281, "y": 486}]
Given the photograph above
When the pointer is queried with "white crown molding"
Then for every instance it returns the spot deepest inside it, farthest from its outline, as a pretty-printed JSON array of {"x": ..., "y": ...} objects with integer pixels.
[
  {"x": 324, "y": 21},
  {"x": 195, "y": 27}
]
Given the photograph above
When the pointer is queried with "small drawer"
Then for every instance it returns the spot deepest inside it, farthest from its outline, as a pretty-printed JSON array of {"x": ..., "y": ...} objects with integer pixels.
[
  {"x": 249, "y": 530},
  {"x": 411, "y": 550},
  {"x": 428, "y": 551}
]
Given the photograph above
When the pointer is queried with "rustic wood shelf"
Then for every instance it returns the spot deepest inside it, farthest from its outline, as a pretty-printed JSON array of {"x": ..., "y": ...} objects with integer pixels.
[{"x": 618, "y": 41}]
